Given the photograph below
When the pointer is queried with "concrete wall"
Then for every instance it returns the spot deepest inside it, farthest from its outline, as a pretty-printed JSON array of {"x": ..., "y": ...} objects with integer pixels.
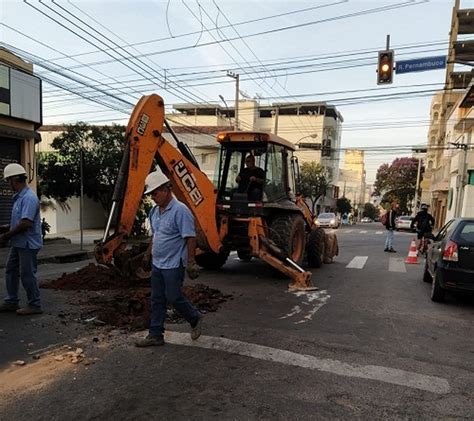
[{"x": 64, "y": 221}]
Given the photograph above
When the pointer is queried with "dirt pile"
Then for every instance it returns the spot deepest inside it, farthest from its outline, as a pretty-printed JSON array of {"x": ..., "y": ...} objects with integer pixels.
[
  {"x": 122, "y": 302},
  {"x": 92, "y": 278}
]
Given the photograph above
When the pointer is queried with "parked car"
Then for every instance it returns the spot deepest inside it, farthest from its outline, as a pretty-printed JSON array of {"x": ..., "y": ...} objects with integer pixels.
[
  {"x": 328, "y": 220},
  {"x": 403, "y": 223},
  {"x": 366, "y": 219},
  {"x": 450, "y": 259}
]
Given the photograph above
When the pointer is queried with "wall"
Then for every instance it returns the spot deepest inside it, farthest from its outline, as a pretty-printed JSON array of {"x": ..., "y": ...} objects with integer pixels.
[{"x": 64, "y": 221}]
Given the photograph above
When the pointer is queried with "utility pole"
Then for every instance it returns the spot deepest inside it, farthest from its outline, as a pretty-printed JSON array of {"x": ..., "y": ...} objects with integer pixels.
[
  {"x": 277, "y": 112},
  {"x": 236, "y": 106},
  {"x": 461, "y": 181},
  {"x": 417, "y": 188},
  {"x": 81, "y": 198}
]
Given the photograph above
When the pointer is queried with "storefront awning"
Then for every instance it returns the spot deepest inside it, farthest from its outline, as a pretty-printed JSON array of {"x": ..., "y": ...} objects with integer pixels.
[{"x": 15, "y": 133}]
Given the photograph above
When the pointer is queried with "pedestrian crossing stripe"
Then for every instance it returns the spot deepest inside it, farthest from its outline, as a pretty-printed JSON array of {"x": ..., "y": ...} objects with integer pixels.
[
  {"x": 395, "y": 264},
  {"x": 358, "y": 262}
]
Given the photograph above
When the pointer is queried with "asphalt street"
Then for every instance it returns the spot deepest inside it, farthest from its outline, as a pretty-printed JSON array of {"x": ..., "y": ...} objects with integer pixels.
[{"x": 369, "y": 343}]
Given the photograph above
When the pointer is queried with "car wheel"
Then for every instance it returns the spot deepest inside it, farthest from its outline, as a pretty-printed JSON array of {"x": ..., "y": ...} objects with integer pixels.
[
  {"x": 426, "y": 274},
  {"x": 437, "y": 293}
]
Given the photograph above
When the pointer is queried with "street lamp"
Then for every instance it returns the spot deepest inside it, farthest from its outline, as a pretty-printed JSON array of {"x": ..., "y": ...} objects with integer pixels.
[{"x": 227, "y": 108}]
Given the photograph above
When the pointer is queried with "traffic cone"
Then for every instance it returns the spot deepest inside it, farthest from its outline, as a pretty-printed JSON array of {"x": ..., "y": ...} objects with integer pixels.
[{"x": 412, "y": 257}]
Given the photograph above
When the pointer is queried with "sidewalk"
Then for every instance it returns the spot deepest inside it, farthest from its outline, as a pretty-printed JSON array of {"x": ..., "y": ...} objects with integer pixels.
[{"x": 62, "y": 250}]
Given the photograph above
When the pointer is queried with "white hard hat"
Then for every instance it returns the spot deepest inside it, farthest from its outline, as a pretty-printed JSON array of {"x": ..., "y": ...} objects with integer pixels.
[
  {"x": 11, "y": 170},
  {"x": 154, "y": 180}
]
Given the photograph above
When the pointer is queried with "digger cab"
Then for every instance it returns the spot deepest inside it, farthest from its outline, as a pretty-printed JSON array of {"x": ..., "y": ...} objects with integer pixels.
[{"x": 272, "y": 155}]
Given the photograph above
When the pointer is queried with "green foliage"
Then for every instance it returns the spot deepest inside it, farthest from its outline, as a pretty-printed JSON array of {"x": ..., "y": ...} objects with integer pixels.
[
  {"x": 370, "y": 211},
  {"x": 343, "y": 205},
  {"x": 59, "y": 171},
  {"x": 397, "y": 182},
  {"x": 313, "y": 183}
]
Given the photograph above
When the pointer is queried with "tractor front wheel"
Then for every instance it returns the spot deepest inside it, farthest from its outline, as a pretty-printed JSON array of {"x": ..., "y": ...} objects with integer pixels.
[{"x": 288, "y": 233}]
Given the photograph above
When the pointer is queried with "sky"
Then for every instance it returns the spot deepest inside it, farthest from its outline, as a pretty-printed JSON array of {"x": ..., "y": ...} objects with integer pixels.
[{"x": 97, "y": 58}]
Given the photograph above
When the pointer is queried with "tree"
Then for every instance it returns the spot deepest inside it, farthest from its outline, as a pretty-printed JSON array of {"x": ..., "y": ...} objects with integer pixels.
[
  {"x": 397, "y": 182},
  {"x": 370, "y": 211},
  {"x": 313, "y": 183},
  {"x": 59, "y": 171},
  {"x": 343, "y": 205}
]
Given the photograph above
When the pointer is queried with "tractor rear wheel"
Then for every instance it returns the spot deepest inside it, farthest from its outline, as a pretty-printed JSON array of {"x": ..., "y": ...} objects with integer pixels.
[
  {"x": 288, "y": 233},
  {"x": 210, "y": 260},
  {"x": 315, "y": 248}
]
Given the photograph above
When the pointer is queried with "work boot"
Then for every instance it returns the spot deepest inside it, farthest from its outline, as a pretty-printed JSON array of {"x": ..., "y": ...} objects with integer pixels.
[
  {"x": 8, "y": 307},
  {"x": 392, "y": 251},
  {"x": 150, "y": 341},
  {"x": 385, "y": 250},
  {"x": 196, "y": 329},
  {"x": 29, "y": 310}
]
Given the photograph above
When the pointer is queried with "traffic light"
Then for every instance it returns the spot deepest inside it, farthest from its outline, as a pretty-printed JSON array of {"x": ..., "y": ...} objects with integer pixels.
[{"x": 385, "y": 67}]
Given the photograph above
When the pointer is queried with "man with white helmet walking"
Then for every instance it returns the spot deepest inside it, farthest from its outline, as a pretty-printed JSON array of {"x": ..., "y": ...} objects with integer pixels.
[
  {"x": 172, "y": 249},
  {"x": 24, "y": 234}
]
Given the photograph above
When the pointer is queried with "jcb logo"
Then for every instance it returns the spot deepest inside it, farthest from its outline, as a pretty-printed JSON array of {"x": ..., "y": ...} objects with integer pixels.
[
  {"x": 144, "y": 119},
  {"x": 189, "y": 183}
]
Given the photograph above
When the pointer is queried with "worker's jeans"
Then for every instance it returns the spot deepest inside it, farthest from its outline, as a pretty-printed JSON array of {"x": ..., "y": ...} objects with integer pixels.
[
  {"x": 389, "y": 239},
  {"x": 166, "y": 288},
  {"x": 22, "y": 264}
]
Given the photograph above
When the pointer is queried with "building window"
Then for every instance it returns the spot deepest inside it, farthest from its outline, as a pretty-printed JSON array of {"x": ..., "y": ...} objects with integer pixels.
[
  {"x": 470, "y": 177},
  {"x": 204, "y": 158},
  {"x": 435, "y": 116},
  {"x": 430, "y": 165}
]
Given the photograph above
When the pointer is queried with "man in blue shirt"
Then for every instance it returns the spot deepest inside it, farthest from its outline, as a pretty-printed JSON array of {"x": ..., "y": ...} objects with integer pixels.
[
  {"x": 25, "y": 239},
  {"x": 172, "y": 247}
]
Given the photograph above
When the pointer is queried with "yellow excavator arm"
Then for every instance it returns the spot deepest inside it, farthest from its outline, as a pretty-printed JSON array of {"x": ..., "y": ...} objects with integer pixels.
[{"x": 144, "y": 142}]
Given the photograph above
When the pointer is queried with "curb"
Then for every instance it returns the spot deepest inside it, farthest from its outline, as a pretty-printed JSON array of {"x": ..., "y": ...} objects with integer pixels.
[{"x": 62, "y": 258}]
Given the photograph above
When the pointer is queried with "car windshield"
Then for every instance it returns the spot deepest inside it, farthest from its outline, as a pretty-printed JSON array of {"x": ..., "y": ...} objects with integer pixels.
[
  {"x": 326, "y": 215},
  {"x": 405, "y": 218}
]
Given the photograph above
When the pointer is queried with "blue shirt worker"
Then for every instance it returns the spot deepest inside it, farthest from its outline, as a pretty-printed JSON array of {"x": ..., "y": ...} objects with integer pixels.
[
  {"x": 25, "y": 239},
  {"x": 172, "y": 251}
]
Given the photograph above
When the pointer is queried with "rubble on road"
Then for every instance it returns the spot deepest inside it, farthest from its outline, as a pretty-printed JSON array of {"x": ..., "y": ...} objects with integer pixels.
[{"x": 111, "y": 299}]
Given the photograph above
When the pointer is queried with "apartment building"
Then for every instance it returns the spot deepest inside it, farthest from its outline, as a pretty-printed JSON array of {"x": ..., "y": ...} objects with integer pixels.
[
  {"x": 314, "y": 128},
  {"x": 352, "y": 183},
  {"x": 449, "y": 156},
  {"x": 20, "y": 117}
]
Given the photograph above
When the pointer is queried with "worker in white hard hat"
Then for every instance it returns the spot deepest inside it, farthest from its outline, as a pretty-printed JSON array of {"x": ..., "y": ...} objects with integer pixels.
[
  {"x": 25, "y": 238},
  {"x": 172, "y": 250}
]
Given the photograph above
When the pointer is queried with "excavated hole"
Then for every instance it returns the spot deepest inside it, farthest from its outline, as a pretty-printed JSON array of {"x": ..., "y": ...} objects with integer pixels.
[{"x": 111, "y": 299}]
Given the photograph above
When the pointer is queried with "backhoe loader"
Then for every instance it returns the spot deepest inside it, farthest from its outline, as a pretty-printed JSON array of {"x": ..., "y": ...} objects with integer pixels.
[{"x": 277, "y": 228}]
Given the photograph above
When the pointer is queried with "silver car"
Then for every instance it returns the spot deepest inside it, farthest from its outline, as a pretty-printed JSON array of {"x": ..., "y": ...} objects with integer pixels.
[
  {"x": 327, "y": 220},
  {"x": 403, "y": 223}
]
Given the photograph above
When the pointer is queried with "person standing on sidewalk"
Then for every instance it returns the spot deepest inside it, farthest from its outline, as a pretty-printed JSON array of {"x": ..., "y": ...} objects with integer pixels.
[
  {"x": 25, "y": 239},
  {"x": 172, "y": 247},
  {"x": 390, "y": 226}
]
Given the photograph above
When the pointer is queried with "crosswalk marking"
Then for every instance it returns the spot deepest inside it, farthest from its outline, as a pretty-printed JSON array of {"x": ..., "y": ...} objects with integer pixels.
[
  {"x": 357, "y": 262},
  {"x": 348, "y": 231},
  {"x": 379, "y": 232},
  {"x": 363, "y": 232},
  {"x": 396, "y": 264}
]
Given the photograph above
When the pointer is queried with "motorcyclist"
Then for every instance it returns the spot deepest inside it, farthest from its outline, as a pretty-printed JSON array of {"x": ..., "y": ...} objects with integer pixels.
[{"x": 424, "y": 222}]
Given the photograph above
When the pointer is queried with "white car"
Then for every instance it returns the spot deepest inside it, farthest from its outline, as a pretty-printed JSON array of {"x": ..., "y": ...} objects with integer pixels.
[
  {"x": 403, "y": 223},
  {"x": 366, "y": 219},
  {"x": 327, "y": 220}
]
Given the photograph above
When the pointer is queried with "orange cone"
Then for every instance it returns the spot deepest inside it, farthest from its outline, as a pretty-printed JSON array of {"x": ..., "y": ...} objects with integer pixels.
[{"x": 412, "y": 257}]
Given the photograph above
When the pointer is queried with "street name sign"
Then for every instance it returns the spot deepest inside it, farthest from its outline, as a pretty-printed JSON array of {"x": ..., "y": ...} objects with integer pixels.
[{"x": 421, "y": 64}]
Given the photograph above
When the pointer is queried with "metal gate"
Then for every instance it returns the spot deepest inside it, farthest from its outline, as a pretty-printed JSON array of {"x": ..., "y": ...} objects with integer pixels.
[{"x": 9, "y": 152}]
